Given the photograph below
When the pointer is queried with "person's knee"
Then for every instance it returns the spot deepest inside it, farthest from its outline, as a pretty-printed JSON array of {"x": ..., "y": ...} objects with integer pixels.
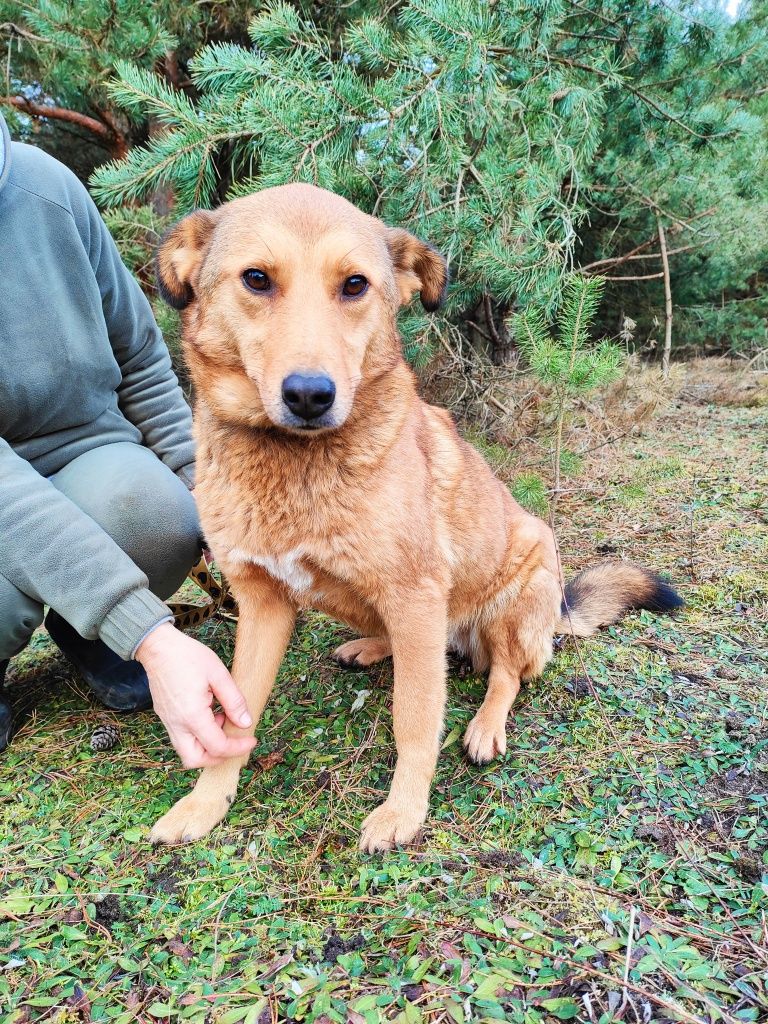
[
  {"x": 19, "y": 618},
  {"x": 168, "y": 550},
  {"x": 154, "y": 519},
  {"x": 142, "y": 505}
]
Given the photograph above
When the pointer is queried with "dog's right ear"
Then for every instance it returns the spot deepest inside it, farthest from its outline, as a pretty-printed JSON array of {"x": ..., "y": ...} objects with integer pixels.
[{"x": 180, "y": 255}]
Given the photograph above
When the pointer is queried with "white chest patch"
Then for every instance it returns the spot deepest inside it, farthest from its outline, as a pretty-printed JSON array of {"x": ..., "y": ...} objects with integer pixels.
[{"x": 286, "y": 567}]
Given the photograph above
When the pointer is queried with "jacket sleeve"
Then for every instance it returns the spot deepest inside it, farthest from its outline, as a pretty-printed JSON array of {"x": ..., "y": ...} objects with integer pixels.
[
  {"x": 149, "y": 395},
  {"x": 55, "y": 553}
]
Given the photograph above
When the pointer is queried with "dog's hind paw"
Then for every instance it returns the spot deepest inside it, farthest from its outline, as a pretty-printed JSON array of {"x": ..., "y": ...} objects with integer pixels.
[
  {"x": 191, "y": 818},
  {"x": 388, "y": 826},
  {"x": 485, "y": 739},
  {"x": 362, "y": 652}
]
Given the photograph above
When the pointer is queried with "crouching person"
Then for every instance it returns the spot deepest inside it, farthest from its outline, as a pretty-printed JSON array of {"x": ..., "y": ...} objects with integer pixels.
[{"x": 98, "y": 522}]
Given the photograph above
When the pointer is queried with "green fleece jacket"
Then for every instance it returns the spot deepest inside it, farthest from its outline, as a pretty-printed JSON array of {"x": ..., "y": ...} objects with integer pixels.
[{"x": 82, "y": 364}]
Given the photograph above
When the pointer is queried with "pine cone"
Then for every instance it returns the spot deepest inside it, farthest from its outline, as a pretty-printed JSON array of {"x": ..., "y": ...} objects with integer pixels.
[{"x": 105, "y": 737}]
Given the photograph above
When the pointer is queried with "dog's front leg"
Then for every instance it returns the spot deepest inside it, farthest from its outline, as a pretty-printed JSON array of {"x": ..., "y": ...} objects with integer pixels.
[
  {"x": 417, "y": 628},
  {"x": 265, "y": 623}
]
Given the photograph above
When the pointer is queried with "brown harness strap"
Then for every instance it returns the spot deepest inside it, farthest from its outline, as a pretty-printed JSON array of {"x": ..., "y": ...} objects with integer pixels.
[{"x": 221, "y": 600}]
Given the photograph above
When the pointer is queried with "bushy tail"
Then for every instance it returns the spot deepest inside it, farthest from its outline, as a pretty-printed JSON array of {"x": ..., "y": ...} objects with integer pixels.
[{"x": 601, "y": 595}]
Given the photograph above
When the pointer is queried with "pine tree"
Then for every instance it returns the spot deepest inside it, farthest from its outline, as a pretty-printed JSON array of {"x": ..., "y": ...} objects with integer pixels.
[
  {"x": 521, "y": 138},
  {"x": 688, "y": 172},
  {"x": 60, "y": 55},
  {"x": 447, "y": 117}
]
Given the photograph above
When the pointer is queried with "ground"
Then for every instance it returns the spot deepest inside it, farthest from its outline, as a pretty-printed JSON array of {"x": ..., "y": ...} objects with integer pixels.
[{"x": 613, "y": 865}]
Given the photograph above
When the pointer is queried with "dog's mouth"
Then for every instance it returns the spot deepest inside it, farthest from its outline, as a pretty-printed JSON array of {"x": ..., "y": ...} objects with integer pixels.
[{"x": 298, "y": 425}]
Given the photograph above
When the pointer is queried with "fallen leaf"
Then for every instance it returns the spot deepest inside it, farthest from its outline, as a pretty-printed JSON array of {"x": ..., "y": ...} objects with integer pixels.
[
  {"x": 278, "y": 965},
  {"x": 80, "y": 1003},
  {"x": 267, "y": 761},
  {"x": 644, "y": 923},
  {"x": 449, "y": 951},
  {"x": 133, "y": 999},
  {"x": 358, "y": 702},
  {"x": 180, "y": 949}
]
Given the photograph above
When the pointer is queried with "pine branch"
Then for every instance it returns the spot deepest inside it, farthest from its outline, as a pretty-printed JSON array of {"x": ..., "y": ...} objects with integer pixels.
[
  {"x": 141, "y": 91},
  {"x": 18, "y": 31},
  {"x": 644, "y": 97},
  {"x": 486, "y": 130}
]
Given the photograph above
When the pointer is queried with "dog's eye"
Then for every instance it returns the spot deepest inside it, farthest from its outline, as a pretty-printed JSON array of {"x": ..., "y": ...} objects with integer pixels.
[
  {"x": 355, "y": 285},
  {"x": 256, "y": 280}
]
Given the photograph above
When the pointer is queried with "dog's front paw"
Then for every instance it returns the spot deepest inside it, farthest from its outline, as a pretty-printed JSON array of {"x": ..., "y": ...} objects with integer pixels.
[
  {"x": 486, "y": 737},
  {"x": 191, "y": 818},
  {"x": 390, "y": 825}
]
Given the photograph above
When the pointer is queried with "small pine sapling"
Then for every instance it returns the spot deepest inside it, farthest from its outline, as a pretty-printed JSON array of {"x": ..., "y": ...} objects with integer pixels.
[{"x": 565, "y": 361}]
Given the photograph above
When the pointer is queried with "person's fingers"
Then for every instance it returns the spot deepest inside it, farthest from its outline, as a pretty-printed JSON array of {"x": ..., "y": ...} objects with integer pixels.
[
  {"x": 206, "y": 761},
  {"x": 230, "y": 698},
  {"x": 192, "y": 753},
  {"x": 215, "y": 741},
  {"x": 210, "y": 736},
  {"x": 220, "y": 718}
]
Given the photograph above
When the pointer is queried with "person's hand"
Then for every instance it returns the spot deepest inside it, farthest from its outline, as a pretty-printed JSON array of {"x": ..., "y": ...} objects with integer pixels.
[{"x": 185, "y": 677}]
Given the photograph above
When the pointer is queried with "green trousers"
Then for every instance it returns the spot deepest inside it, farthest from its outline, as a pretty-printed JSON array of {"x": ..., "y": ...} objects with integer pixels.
[{"x": 145, "y": 509}]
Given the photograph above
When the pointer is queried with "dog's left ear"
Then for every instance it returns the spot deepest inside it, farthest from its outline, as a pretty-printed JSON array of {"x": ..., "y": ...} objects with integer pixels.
[{"x": 418, "y": 268}]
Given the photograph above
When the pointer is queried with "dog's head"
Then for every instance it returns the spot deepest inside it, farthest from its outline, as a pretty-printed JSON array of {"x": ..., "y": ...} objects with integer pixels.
[{"x": 289, "y": 298}]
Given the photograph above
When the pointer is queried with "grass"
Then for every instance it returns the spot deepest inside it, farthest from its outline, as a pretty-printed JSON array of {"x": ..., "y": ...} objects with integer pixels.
[{"x": 612, "y": 866}]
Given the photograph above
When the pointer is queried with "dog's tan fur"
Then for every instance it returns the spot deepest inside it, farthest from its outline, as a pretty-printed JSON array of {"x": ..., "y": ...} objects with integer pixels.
[{"x": 386, "y": 520}]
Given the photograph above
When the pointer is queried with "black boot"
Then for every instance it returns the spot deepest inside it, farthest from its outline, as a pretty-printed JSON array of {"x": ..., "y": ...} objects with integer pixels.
[
  {"x": 121, "y": 685},
  {"x": 6, "y": 715}
]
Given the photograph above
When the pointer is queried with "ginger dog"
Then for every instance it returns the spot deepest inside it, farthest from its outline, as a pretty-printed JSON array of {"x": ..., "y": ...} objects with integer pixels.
[{"x": 325, "y": 482}]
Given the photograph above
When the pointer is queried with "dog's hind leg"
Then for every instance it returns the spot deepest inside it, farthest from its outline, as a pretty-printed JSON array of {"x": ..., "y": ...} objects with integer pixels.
[
  {"x": 364, "y": 651},
  {"x": 486, "y": 735},
  {"x": 519, "y": 642}
]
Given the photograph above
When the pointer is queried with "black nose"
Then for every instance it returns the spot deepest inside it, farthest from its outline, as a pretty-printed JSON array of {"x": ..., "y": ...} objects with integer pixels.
[{"x": 308, "y": 397}]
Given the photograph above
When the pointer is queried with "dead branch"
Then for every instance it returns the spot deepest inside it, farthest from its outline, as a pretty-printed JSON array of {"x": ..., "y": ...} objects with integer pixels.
[
  {"x": 634, "y": 255},
  {"x": 104, "y": 133},
  {"x": 667, "y": 301},
  {"x": 636, "y": 277},
  {"x": 497, "y": 342}
]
